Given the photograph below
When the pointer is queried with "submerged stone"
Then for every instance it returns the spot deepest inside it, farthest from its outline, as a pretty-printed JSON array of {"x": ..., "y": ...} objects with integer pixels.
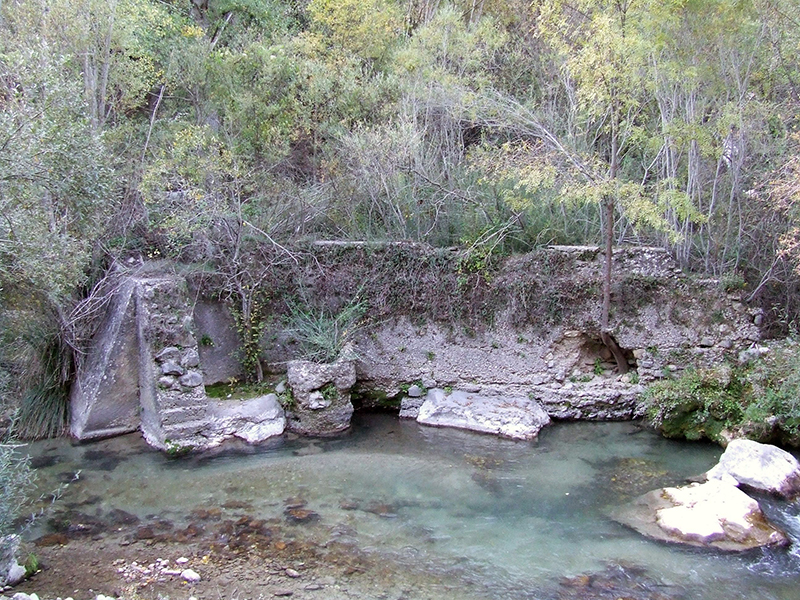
[{"x": 300, "y": 515}]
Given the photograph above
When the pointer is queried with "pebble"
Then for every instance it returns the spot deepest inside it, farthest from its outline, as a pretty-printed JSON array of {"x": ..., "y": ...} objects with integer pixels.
[
  {"x": 171, "y": 572},
  {"x": 282, "y": 592},
  {"x": 182, "y": 560},
  {"x": 313, "y": 586},
  {"x": 190, "y": 576},
  {"x": 292, "y": 573}
]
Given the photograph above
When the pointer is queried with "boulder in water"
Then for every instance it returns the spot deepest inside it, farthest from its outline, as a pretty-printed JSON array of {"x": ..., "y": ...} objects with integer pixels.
[
  {"x": 760, "y": 467},
  {"x": 715, "y": 514},
  {"x": 321, "y": 396},
  {"x": 514, "y": 417}
]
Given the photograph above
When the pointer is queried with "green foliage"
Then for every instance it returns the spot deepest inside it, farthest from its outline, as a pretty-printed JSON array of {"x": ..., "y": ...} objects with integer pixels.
[
  {"x": 287, "y": 399},
  {"x": 250, "y": 324},
  {"x": 236, "y": 390},
  {"x": 329, "y": 392},
  {"x": 366, "y": 28},
  {"x": 177, "y": 450},
  {"x": 34, "y": 340},
  {"x": 43, "y": 412},
  {"x": 323, "y": 334},
  {"x": 697, "y": 404},
  {"x": 598, "y": 367},
  {"x": 16, "y": 485},
  {"x": 31, "y": 565},
  {"x": 759, "y": 400}
]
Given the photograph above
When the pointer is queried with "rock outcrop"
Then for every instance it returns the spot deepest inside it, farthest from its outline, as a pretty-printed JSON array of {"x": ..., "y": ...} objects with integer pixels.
[
  {"x": 320, "y": 402},
  {"x": 760, "y": 467},
  {"x": 516, "y": 418},
  {"x": 715, "y": 514}
]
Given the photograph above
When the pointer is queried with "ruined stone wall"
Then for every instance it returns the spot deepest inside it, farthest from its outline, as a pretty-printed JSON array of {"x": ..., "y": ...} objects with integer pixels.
[
  {"x": 543, "y": 341},
  {"x": 527, "y": 328}
]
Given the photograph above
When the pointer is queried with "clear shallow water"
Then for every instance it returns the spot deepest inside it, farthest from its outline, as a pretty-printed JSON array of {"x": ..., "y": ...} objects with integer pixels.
[{"x": 475, "y": 510}]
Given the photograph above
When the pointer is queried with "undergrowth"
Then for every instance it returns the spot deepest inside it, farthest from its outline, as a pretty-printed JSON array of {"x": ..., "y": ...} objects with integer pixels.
[
  {"x": 758, "y": 400},
  {"x": 43, "y": 384}
]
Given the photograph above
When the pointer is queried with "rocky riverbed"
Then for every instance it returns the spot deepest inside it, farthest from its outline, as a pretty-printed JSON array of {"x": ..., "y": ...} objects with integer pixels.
[
  {"x": 389, "y": 510},
  {"x": 220, "y": 558}
]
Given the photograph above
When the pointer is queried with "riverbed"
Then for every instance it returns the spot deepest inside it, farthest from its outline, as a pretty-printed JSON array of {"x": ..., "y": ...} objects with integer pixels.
[{"x": 435, "y": 513}]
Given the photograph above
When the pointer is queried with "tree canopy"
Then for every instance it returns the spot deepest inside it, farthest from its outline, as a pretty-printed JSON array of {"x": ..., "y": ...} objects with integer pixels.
[{"x": 184, "y": 128}]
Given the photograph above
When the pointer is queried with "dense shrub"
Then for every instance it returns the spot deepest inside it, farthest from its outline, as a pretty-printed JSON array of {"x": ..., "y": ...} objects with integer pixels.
[
  {"x": 758, "y": 400},
  {"x": 16, "y": 484}
]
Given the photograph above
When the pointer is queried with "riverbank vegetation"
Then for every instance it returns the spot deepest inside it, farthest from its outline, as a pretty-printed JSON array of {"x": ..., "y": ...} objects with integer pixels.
[
  {"x": 757, "y": 399},
  {"x": 193, "y": 130}
]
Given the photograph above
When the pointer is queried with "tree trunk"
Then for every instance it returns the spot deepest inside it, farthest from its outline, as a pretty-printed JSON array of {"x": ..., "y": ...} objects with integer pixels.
[{"x": 608, "y": 206}]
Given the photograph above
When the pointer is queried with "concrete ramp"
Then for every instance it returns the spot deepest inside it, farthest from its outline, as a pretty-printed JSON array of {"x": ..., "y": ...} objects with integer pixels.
[{"x": 105, "y": 397}]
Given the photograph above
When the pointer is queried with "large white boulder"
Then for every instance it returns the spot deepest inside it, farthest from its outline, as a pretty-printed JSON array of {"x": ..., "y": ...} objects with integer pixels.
[
  {"x": 759, "y": 467},
  {"x": 715, "y": 514},
  {"x": 253, "y": 420},
  {"x": 513, "y": 417}
]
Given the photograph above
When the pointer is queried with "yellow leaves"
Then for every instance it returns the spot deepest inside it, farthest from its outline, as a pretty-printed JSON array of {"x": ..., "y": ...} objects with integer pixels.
[
  {"x": 363, "y": 27},
  {"x": 522, "y": 170},
  {"x": 451, "y": 51},
  {"x": 190, "y": 30}
]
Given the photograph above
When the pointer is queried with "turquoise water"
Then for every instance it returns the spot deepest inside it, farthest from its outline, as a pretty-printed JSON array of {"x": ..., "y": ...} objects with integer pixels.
[{"x": 505, "y": 519}]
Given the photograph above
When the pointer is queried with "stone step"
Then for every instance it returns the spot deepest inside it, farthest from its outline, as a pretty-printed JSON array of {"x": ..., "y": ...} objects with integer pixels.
[
  {"x": 179, "y": 431},
  {"x": 183, "y": 414}
]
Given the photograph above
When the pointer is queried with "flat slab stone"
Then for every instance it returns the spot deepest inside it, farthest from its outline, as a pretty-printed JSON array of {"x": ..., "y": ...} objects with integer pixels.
[
  {"x": 760, "y": 467},
  {"x": 513, "y": 417},
  {"x": 253, "y": 420},
  {"x": 715, "y": 514}
]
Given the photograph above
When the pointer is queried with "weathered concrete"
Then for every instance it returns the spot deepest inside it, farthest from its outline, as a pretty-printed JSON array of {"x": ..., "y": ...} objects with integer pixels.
[
  {"x": 759, "y": 467},
  {"x": 218, "y": 341},
  {"x": 105, "y": 397},
  {"x": 253, "y": 420},
  {"x": 145, "y": 372},
  {"x": 565, "y": 366}
]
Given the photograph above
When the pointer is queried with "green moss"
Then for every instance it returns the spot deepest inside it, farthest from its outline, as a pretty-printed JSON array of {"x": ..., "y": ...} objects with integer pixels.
[
  {"x": 176, "y": 450},
  {"x": 329, "y": 392},
  {"x": 759, "y": 401},
  {"x": 236, "y": 390},
  {"x": 377, "y": 399}
]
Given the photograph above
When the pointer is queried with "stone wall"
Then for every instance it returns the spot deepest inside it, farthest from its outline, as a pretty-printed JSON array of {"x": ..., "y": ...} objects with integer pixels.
[
  {"x": 164, "y": 340},
  {"x": 144, "y": 372}
]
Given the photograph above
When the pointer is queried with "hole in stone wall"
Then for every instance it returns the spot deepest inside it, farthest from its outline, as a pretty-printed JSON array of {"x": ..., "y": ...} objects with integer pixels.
[{"x": 590, "y": 357}]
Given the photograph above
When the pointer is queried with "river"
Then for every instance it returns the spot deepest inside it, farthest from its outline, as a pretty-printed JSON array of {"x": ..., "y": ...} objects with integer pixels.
[{"x": 470, "y": 514}]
